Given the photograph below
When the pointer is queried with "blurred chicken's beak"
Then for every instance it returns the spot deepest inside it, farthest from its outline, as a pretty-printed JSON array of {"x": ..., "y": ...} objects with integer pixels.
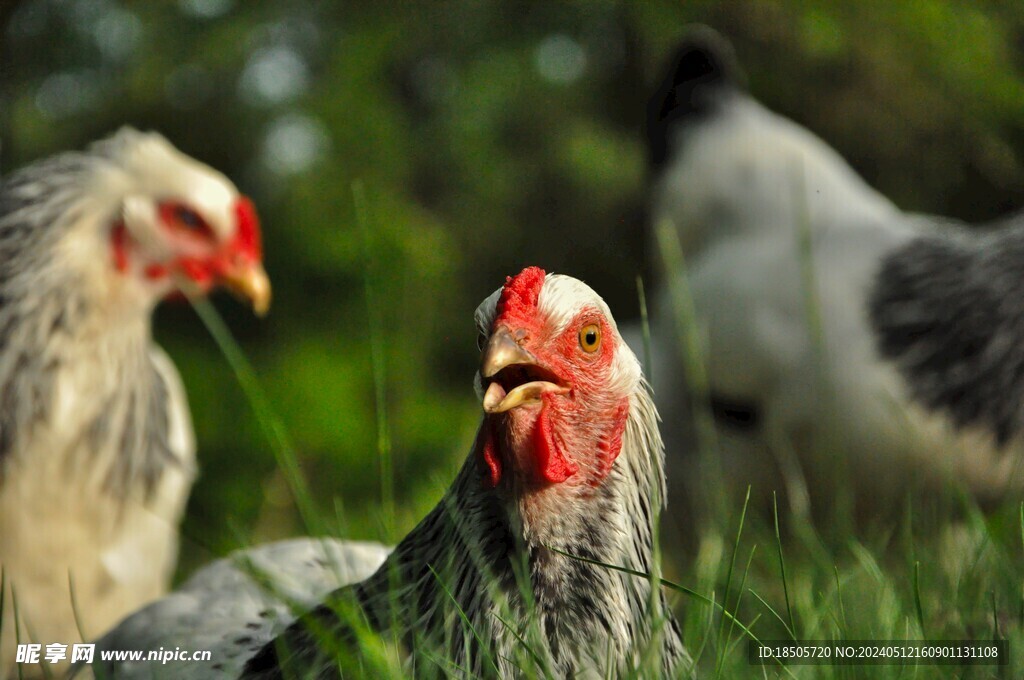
[{"x": 252, "y": 283}]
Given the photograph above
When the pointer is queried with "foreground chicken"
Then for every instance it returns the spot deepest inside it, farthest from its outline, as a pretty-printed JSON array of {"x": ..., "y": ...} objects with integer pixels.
[
  {"x": 567, "y": 463},
  {"x": 853, "y": 352},
  {"x": 96, "y": 444}
]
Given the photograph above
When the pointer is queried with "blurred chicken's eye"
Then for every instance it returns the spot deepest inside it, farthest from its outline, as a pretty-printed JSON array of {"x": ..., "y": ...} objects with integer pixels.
[
  {"x": 184, "y": 219},
  {"x": 188, "y": 218},
  {"x": 590, "y": 338}
]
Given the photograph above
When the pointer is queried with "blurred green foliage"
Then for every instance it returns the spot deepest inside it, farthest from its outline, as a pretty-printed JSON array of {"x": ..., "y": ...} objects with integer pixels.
[{"x": 489, "y": 135}]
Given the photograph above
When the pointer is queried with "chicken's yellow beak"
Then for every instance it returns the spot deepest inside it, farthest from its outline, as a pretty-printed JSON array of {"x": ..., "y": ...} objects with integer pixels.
[
  {"x": 527, "y": 383},
  {"x": 502, "y": 350},
  {"x": 252, "y": 283}
]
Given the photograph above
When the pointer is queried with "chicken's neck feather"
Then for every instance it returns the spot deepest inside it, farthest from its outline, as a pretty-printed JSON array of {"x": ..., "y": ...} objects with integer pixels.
[
  {"x": 76, "y": 365},
  {"x": 472, "y": 557}
]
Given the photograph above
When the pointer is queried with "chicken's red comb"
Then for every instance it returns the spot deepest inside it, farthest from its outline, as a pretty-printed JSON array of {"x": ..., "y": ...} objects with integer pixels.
[
  {"x": 247, "y": 237},
  {"x": 520, "y": 293}
]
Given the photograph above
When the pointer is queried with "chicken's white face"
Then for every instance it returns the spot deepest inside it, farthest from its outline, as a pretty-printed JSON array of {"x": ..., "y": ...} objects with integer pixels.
[
  {"x": 555, "y": 380},
  {"x": 180, "y": 221}
]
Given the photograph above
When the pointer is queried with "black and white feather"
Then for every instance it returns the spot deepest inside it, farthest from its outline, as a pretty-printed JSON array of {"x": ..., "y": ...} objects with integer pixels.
[{"x": 234, "y": 606}]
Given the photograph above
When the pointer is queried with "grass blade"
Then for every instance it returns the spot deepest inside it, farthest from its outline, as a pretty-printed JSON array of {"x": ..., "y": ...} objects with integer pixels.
[
  {"x": 774, "y": 613},
  {"x": 782, "y": 566},
  {"x": 918, "y": 608},
  {"x": 484, "y": 649},
  {"x": 645, "y": 324},
  {"x": 698, "y": 653},
  {"x": 996, "y": 633},
  {"x": 17, "y": 630},
  {"x": 533, "y": 654},
  {"x": 655, "y": 478},
  {"x": 3, "y": 594},
  {"x": 689, "y": 348},
  {"x": 74, "y": 610},
  {"x": 728, "y": 581},
  {"x": 375, "y": 324},
  {"x": 839, "y": 594},
  {"x": 736, "y": 608},
  {"x": 271, "y": 424},
  {"x": 671, "y": 586}
]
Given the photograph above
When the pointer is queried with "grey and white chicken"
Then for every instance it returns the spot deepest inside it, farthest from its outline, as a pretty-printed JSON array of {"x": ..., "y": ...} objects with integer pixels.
[
  {"x": 260, "y": 586},
  {"x": 833, "y": 324},
  {"x": 567, "y": 463},
  {"x": 96, "y": 444}
]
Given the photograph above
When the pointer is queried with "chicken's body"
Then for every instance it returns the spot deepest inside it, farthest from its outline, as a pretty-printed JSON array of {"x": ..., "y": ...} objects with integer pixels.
[
  {"x": 96, "y": 445},
  {"x": 785, "y": 247},
  {"x": 567, "y": 464},
  {"x": 74, "y": 539},
  {"x": 260, "y": 586}
]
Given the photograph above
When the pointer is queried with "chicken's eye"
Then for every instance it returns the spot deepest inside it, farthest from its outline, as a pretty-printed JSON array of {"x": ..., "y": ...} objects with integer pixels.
[
  {"x": 590, "y": 338},
  {"x": 185, "y": 219},
  {"x": 188, "y": 218}
]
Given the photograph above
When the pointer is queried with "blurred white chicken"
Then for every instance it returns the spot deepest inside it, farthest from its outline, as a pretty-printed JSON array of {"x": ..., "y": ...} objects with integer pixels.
[
  {"x": 816, "y": 300},
  {"x": 96, "y": 444}
]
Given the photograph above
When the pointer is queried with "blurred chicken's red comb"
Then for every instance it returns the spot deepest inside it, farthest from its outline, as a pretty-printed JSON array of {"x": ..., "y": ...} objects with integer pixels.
[{"x": 247, "y": 238}]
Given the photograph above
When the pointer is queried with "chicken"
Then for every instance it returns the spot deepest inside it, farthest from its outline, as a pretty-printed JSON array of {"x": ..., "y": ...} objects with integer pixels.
[
  {"x": 809, "y": 291},
  {"x": 96, "y": 444},
  {"x": 567, "y": 464},
  {"x": 259, "y": 586}
]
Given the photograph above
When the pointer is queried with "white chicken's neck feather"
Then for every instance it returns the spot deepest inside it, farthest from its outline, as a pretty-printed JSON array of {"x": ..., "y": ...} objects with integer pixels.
[{"x": 75, "y": 333}]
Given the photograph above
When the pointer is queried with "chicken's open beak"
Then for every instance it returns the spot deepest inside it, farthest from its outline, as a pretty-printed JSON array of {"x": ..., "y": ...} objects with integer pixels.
[
  {"x": 252, "y": 283},
  {"x": 516, "y": 378}
]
